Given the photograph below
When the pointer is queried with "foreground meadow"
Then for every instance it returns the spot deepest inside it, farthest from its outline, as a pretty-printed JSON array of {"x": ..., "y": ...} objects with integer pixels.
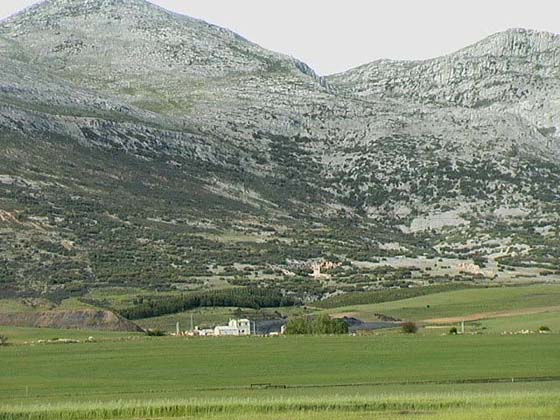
[
  {"x": 518, "y": 405},
  {"x": 284, "y": 378}
]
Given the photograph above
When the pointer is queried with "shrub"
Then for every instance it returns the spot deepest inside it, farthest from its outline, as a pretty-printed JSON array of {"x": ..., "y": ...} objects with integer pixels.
[
  {"x": 453, "y": 331},
  {"x": 3, "y": 340},
  {"x": 321, "y": 325},
  {"x": 544, "y": 328},
  {"x": 409, "y": 328},
  {"x": 155, "y": 333},
  {"x": 298, "y": 326}
]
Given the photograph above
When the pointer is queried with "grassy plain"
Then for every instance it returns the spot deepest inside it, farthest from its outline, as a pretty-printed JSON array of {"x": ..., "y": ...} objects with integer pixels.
[
  {"x": 384, "y": 376},
  {"x": 466, "y": 405},
  {"x": 461, "y": 303},
  {"x": 18, "y": 335},
  {"x": 284, "y": 377},
  {"x": 522, "y": 322}
]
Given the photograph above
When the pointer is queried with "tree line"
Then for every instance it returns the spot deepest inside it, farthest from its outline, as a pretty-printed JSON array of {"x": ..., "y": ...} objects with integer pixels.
[{"x": 254, "y": 298}]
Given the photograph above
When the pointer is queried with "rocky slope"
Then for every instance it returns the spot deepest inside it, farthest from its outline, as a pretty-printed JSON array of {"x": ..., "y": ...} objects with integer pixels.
[
  {"x": 145, "y": 149},
  {"x": 515, "y": 71}
]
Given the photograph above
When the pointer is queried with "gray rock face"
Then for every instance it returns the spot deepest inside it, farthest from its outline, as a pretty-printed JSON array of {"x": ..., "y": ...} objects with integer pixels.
[
  {"x": 517, "y": 71},
  {"x": 390, "y": 144},
  {"x": 130, "y": 60}
]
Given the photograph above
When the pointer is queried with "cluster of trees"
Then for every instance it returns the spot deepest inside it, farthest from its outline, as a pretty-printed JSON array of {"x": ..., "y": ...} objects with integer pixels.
[
  {"x": 323, "y": 324},
  {"x": 254, "y": 298}
]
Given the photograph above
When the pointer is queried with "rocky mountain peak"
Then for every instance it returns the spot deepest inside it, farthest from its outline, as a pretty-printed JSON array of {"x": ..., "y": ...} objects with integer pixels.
[
  {"x": 516, "y": 70},
  {"x": 47, "y": 13},
  {"x": 515, "y": 42},
  {"x": 59, "y": 15},
  {"x": 80, "y": 7},
  {"x": 144, "y": 53},
  {"x": 136, "y": 35}
]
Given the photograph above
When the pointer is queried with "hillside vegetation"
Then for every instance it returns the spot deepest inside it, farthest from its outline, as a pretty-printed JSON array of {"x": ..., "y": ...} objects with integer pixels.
[{"x": 152, "y": 151}]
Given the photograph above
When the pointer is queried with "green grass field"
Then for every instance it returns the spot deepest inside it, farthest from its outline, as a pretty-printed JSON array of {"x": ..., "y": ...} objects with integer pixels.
[
  {"x": 461, "y": 303},
  {"x": 20, "y": 336},
  {"x": 388, "y": 375},
  {"x": 459, "y": 405},
  {"x": 40, "y": 305},
  {"x": 308, "y": 377},
  {"x": 522, "y": 322}
]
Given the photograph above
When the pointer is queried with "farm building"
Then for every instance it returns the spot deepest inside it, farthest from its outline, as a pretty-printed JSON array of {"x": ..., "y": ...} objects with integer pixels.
[
  {"x": 205, "y": 332},
  {"x": 235, "y": 327},
  {"x": 243, "y": 325},
  {"x": 225, "y": 330}
]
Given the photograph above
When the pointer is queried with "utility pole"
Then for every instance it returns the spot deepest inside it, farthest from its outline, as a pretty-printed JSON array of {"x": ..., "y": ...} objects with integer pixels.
[
  {"x": 462, "y": 327},
  {"x": 192, "y": 323},
  {"x": 177, "y": 328}
]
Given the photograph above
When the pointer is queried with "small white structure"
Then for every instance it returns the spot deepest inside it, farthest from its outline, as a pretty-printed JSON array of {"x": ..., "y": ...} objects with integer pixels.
[
  {"x": 243, "y": 325},
  {"x": 221, "y": 331},
  {"x": 205, "y": 332},
  {"x": 236, "y": 327}
]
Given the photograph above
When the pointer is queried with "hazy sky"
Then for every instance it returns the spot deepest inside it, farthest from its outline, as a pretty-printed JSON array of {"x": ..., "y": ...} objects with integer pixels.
[{"x": 334, "y": 35}]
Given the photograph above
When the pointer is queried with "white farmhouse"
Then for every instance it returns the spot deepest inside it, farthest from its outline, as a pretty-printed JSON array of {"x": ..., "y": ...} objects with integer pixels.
[
  {"x": 236, "y": 327},
  {"x": 222, "y": 331},
  {"x": 243, "y": 325}
]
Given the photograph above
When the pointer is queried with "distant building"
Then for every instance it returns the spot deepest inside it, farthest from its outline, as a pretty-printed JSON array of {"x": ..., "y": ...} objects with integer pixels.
[
  {"x": 205, "y": 332},
  {"x": 269, "y": 326},
  {"x": 242, "y": 325},
  {"x": 222, "y": 331},
  {"x": 235, "y": 328}
]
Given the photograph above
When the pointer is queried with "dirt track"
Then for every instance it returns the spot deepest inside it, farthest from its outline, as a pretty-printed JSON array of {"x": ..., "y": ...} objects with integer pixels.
[{"x": 490, "y": 315}]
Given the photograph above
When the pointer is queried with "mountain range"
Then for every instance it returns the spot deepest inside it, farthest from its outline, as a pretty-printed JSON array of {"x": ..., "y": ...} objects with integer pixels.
[{"x": 148, "y": 150}]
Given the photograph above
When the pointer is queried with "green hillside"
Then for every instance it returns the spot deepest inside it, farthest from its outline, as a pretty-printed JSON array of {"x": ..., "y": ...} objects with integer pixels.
[{"x": 462, "y": 303}]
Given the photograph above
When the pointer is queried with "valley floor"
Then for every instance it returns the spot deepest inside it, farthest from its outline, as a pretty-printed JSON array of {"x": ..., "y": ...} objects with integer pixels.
[{"x": 385, "y": 376}]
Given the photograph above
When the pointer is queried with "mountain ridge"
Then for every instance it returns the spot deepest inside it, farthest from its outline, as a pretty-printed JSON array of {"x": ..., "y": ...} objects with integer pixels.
[
  {"x": 495, "y": 39},
  {"x": 149, "y": 151}
]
